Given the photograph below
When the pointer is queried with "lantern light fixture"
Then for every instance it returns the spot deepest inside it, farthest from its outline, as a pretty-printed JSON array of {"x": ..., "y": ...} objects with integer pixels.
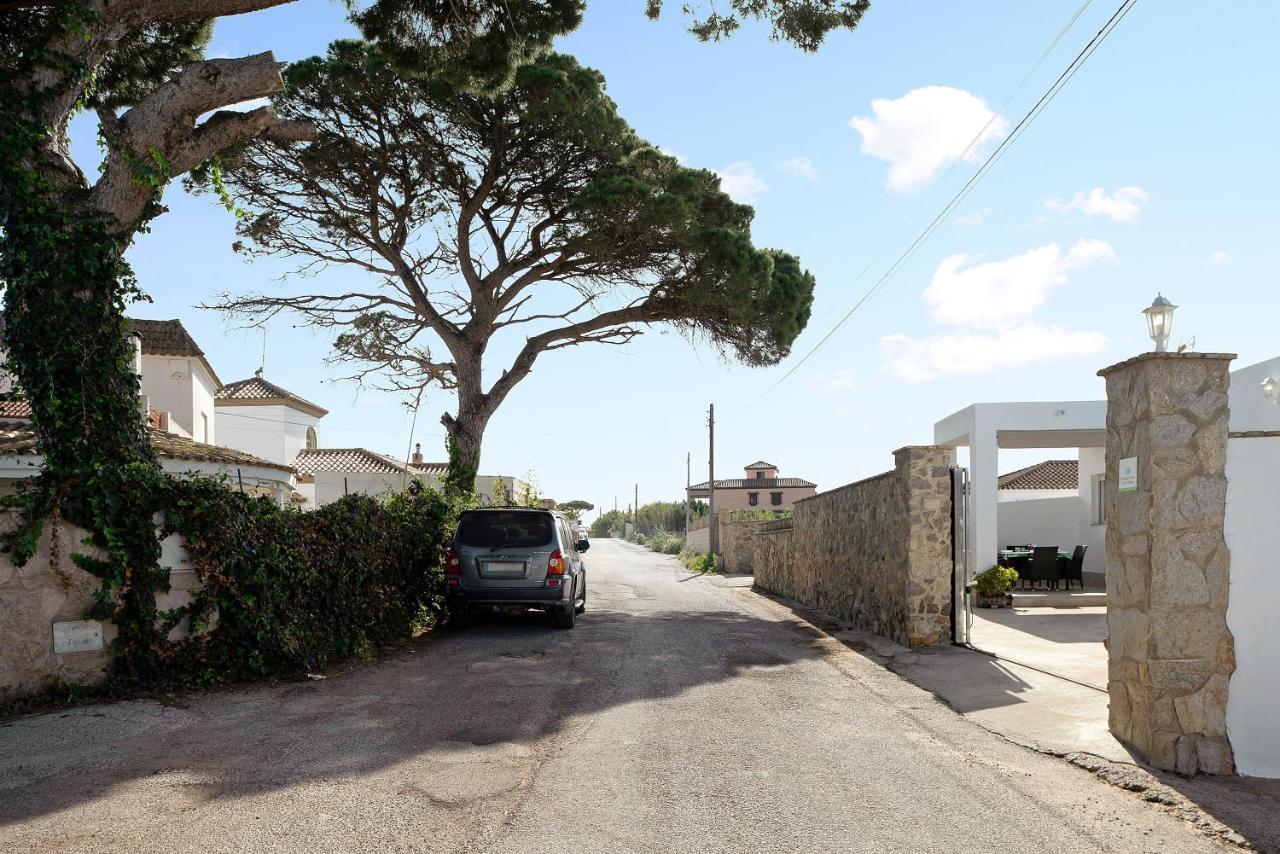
[{"x": 1160, "y": 321}]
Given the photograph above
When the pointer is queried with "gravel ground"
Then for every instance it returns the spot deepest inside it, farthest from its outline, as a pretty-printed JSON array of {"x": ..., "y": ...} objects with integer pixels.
[{"x": 678, "y": 716}]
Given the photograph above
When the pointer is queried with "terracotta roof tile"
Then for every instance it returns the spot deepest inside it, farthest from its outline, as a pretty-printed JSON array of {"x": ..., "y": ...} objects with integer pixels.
[
  {"x": 312, "y": 460},
  {"x": 15, "y": 409},
  {"x": 170, "y": 338},
  {"x": 1050, "y": 474},
  {"x": 761, "y": 464},
  {"x": 257, "y": 390},
  {"x": 17, "y": 439},
  {"x": 757, "y": 483}
]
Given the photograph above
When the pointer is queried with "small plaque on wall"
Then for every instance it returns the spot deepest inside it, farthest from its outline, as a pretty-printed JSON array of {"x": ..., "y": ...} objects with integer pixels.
[
  {"x": 77, "y": 636},
  {"x": 1129, "y": 474}
]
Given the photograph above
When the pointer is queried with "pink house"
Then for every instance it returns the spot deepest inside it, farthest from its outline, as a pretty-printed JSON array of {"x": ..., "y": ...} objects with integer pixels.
[{"x": 760, "y": 489}]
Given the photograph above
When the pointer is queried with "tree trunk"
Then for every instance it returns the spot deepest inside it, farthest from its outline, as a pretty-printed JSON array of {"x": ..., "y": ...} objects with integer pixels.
[{"x": 466, "y": 433}]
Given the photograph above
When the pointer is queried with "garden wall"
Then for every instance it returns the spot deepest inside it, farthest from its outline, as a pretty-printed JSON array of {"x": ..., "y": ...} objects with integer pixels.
[
  {"x": 876, "y": 552},
  {"x": 44, "y": 638}
]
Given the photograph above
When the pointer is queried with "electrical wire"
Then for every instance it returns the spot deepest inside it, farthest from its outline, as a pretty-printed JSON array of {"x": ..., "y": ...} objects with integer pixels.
[{"x": 1026, "y": 120}]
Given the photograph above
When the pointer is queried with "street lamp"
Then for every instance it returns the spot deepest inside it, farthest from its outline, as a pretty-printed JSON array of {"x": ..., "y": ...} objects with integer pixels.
[
  {"x": 1271, "y": 389},
  {"x": 1160, "y": 321}
]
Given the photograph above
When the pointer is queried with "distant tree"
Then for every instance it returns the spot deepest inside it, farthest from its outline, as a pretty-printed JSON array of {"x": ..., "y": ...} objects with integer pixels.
[
  {"x": 537, "y": 209},
  {"x": 575, "y": 509},
  {"x": 608, "y": 524}
]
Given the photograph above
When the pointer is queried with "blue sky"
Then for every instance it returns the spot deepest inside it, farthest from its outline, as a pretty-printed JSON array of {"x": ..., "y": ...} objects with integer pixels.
[{"x": 1154, "y": 169}]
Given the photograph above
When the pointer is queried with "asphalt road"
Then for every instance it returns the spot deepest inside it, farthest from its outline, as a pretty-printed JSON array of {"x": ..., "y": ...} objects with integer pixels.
[{"x": 679, "y": 715}]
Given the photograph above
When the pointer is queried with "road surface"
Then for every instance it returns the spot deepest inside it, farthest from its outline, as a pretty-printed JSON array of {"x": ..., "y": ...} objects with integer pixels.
[{"x": 679, "y": 716}]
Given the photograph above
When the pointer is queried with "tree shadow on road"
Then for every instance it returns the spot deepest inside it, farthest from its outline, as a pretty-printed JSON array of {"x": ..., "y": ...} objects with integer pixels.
[{"x": 487, "y": 694}]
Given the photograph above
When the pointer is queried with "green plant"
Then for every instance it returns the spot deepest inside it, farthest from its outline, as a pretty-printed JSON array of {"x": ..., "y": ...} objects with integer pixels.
[
  {"x": 996, "y": 580},
  {"x": 757, "y": 514},
  {"x": 665, "y": 542},
  {"x": 703, "y": 562}
]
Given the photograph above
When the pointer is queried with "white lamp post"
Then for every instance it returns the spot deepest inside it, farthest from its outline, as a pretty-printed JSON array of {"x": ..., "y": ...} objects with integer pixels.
[{"x": 1160, "y": 321}]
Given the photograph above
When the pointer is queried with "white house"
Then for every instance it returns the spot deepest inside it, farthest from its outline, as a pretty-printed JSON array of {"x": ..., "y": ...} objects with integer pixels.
[
  {"x": 489, "y": 487},
  {"x": 263, "y": 419},
  {"x": 177, "y": 381}
]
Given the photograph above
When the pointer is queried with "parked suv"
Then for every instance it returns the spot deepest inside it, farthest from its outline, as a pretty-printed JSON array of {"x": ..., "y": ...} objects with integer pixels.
[{"x": 506, "y": 556}]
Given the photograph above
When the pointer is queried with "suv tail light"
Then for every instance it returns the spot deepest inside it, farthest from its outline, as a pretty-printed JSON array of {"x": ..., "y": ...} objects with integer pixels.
[
  {"x": 555, "y": 568},
  {"x": 453, "y": 567}
]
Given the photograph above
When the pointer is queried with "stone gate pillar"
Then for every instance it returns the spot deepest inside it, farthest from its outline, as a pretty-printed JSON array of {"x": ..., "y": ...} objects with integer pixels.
[{"x": 1171, "y": 654}]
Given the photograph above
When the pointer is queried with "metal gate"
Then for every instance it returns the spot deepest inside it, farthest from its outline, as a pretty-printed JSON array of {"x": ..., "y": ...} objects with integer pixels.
[{"x": 961, "y": 558}]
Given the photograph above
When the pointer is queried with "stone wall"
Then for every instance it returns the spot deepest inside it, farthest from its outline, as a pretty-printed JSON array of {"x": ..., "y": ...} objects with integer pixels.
[
  {"x": 50, "y": 590},
  {"x": 698, "y": 539},
  {"x": 876, "y": 552},
  {"x": 1171, "y": 654}
]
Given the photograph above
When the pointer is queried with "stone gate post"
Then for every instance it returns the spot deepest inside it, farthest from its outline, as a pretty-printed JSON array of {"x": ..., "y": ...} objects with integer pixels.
[{"x": 1171, "y": 654}]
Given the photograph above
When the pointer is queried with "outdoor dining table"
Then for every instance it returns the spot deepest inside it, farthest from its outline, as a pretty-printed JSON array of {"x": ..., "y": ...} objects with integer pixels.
[{"x": 1015, "y": 553}]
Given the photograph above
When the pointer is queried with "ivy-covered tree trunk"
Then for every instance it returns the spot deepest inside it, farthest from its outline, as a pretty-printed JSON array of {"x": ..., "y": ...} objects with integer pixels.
[{"x": 466, "y": 432}]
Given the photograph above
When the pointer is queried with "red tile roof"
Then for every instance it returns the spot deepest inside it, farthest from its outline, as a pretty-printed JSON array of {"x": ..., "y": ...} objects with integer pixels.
[
  {"x": 19, "y": 439},
  {"x": 1050, "y": 474},
  {"x": 257, "y": 391}
]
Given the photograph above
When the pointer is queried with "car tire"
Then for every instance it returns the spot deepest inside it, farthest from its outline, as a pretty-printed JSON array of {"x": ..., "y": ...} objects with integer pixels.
[
  {"x": 564, "y": 617},
  {"x": 582, "y": 605},
  {"x": 460, "y": 617}
]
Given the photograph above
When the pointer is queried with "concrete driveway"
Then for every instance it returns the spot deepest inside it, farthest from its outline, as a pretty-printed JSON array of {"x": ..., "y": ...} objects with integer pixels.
[{"x": 680, "y": 715}]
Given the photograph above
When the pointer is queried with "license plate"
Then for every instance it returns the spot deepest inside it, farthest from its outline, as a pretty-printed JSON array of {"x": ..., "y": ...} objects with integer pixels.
[{"x": 506, "y": 568}]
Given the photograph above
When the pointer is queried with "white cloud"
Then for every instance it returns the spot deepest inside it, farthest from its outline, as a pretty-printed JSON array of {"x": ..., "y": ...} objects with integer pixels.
[
  {"x": 990, "y": 308},
  {"x": 989, "y": 295},
  {"x": 925, "y": 131},
  {"x": 1219, "y": 256},
  {"x": 799, "y": 167},
  {"x": 843, "y": 379},
  {"x": 1123, "y": 205},
  {"x": 966, "y": 353},
  {"x": 742, "y": 182},
  {"x": 972, "y": 218},
  {"x": 680, "y": 158}
]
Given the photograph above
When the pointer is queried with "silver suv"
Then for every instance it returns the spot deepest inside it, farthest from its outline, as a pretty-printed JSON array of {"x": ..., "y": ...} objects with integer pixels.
[{"x": 515, "y": 557}]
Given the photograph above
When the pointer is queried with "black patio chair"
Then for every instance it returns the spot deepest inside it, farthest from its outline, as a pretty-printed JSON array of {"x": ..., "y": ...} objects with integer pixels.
[
  {"x": 1072, "y": 568},
  {"x": 1044, "y": 566}
]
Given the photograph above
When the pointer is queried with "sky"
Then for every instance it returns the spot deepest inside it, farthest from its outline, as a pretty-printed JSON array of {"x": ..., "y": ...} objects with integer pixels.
[{"x": 1153, "y": 170}]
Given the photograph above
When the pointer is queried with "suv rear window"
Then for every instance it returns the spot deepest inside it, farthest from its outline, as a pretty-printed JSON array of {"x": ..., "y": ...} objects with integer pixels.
[{"x": 496, "y": 529}]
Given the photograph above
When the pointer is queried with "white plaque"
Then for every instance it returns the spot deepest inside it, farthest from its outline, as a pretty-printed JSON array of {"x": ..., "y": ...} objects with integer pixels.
[
  {"x": 1129, "y": 474},
  {"x": 78, "y": 636}
]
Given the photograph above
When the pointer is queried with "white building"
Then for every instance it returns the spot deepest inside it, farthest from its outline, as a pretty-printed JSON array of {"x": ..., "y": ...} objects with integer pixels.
[
  {"x": 261, "y": 418},
  {"x": 177, "y": 381}
]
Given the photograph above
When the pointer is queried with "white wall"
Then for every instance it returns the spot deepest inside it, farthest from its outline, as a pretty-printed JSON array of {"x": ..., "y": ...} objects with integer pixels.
[
  {"x": 329, "y": 485},
  {"x": 1048, "y": 522},
  {"x": 1250, "y": 409},
  {"x": 1093, "y": 461},
  {"x": 273, "y": 432},
  {"x": 1253, "y": 508},
  {"x": 187, "y": 396}
]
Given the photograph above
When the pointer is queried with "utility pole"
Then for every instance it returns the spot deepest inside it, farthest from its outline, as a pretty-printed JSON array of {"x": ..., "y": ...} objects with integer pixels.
[
  {"x": 713, "y": 529},
  {"x": 688, "y": 482},
  {"x": 637, "y": 519}
]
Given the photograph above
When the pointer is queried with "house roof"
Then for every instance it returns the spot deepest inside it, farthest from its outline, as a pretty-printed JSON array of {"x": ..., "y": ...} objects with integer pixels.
[
  {"x": 761, "y": 464},
  {"x": 359, "y": 460},
  {"x": 757, "y": 483},
  {"x": 15, "y": 409},
  {"x": 430, "y": 468},
  {"x": 255, "y": 391},
  {"x": 170, "y": 338},
  {"x": 1050, "y": 474},
  {"x": 19, "y": 439}
]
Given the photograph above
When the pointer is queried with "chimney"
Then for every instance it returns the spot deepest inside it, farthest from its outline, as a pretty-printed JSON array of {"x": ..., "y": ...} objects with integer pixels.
[{"x": 417, "y": 454}]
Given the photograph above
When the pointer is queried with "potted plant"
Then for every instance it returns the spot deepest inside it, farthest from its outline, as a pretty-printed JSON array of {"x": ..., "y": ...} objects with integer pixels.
[{"x": 994, "y": 585}]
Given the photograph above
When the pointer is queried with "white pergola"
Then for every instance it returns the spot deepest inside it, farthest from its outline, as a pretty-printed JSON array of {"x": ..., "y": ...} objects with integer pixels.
[{"x": 984, "y": 428}]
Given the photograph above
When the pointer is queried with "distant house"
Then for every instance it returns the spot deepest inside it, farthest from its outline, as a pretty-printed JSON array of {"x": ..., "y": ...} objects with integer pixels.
[
  {"x": 514, "y": 489},
  {"x": 1049, "y": 479},
  {"x": 760, "y": 489},
  {"x": 327, "y": 474}
]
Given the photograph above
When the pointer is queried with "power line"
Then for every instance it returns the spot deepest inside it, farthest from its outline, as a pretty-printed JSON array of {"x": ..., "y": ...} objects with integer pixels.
[{"x": 1030, "y": 116}]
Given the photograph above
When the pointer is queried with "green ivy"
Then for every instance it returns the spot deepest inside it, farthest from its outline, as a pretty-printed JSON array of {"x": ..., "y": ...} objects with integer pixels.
[{"x": 281, "y": 591}]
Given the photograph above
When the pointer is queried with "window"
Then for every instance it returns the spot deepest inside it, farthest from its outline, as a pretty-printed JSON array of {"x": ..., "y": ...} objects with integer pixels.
[
  {"x": 753, "y": 498},
  {"x": 775, "y": 498},
  {"x": 1098, "y": 499},
  {"x": 204, "y": 427},
  {"x": 497, "y": 529},
  {"x": 759, "y": 475},
  {"x": 312, "y": 441}
]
